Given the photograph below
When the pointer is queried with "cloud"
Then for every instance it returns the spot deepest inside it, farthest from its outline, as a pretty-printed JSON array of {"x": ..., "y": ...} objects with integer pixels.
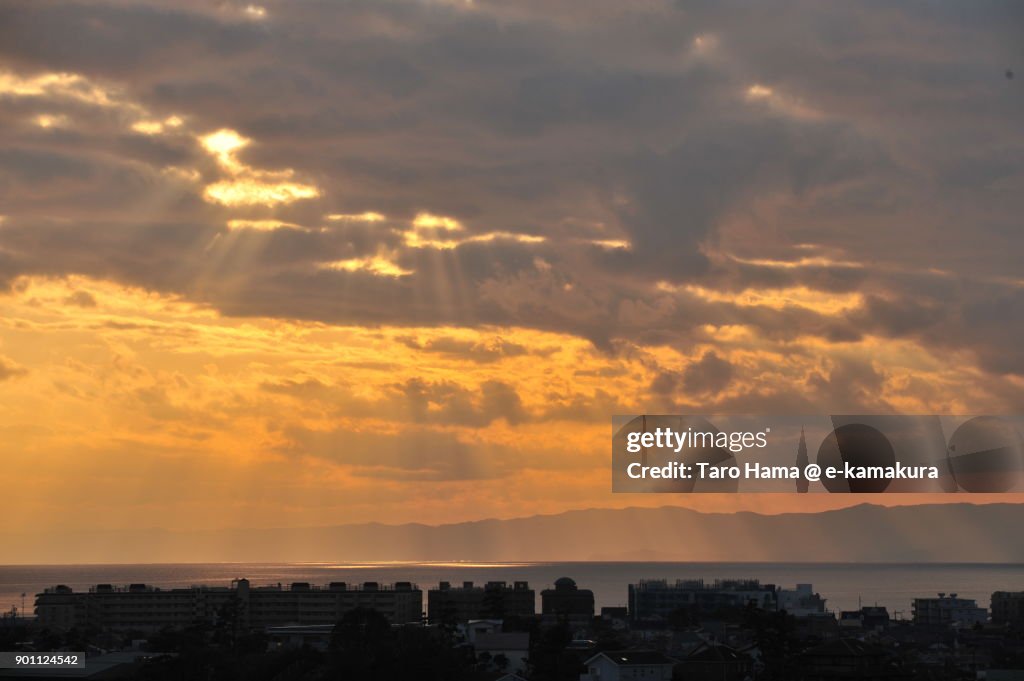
[
  {"x": 399, "y": 456},
  {"x": 81, "y": 299},
  {"x": 691, "y": 167},
  {"x": 536, "y": 132},
  {"x": 711, "y": 374},
  {"x": 492, "y": 350},
  {"x": 495, "y": 224},
  {"x": 9, "y": 369}
]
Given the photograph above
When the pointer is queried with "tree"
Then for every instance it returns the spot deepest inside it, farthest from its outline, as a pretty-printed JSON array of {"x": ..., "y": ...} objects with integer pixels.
[
  {"x": 549, "y": 659},
  {"x": 365, "y": 647}
]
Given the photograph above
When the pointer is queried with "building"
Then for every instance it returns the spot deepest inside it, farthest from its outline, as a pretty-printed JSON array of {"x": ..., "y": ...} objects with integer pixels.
[
  {"x": 802, "y": 483},
  {"x": 847, "y": 658},
  {"x": 494, "y": 600},
  {"x": 1008, "y": 607},
  {"x": 656, "y": 599},
  {"x": 506, "y": 650},
  {"x": 295, "y": 636},
  {"x": 948, "y": 611},
  {"x": 874, "y": 617},
  {"x": 869, "y": 618},
  {"x": 147, "y": 608},
  {"x": 850, "y": 619},
  {"x": 628, "y": 664},
  {"x": 567, "y": 601},
  {"x": 801, "y": 601},
  {"x": 711, "y": 662},
  {"x": 617, "y": 617},
  {"x": 136, "y": 606},
  {"x": 473, "y": 628}
]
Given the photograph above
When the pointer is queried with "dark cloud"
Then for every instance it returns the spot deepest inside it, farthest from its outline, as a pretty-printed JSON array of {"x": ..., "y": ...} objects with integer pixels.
[
  {"x": 710, "y": 374},
  {"x": 850, "y": 384},
  {"x": 476, "y": 351},
  {"x": 722, "y": 146},
  {"x": 665, "y": 383},
  {"x": 112, "y": 39}
]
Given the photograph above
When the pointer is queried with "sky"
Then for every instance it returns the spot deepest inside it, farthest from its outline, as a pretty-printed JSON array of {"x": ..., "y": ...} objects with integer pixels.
[{"x": 311, "y": 263}]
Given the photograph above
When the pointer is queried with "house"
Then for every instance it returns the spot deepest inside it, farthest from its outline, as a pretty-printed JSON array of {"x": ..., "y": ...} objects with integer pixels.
[
  {"x": 629, "y": 664},
  {"x": 290, "y": 637},
  {"x": 848, "y": 658},
  {"x": 470, "y": 630},
  {"x": 512, "y": 647},
  {"x": 714, "y": 662},
  {"x": 682, "y": 643}
]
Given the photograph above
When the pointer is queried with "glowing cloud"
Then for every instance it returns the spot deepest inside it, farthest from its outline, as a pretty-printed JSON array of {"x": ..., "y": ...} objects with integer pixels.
[
  {"x": 785, "y": 105},
  {"x": 430, "y": 221},
  {"x": 223, "y": 144},
  {"x": 822, "y": 302},
  {"x": 260, "y": 225},
  {"x": 151, "y": 127},
  {"x": 248, "y": 186},
  {"x": 58, "y": 85},
  {"x": 368, "y": 216},
  {"x": 613, "y": 244},
  {"x": 375, "y": 265},
  {"x": 508, "y": 236},
  {"x": 435, "y": 231},
  {"x": 256, "y": 192},
  {"x": 48, "y": 121}
]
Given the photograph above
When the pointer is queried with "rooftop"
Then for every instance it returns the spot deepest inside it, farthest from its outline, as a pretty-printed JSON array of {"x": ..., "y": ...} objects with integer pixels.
[{"x": 632, "y": 658}]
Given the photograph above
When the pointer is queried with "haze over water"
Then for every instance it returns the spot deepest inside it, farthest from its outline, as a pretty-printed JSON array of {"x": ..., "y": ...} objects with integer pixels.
[{"x": 842, "y": 584}]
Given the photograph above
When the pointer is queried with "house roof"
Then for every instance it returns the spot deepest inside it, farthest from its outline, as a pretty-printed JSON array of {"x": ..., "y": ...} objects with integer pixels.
[
  {"x": 846, "y": 646},
  {"x": 627, "y": 658},
  {"x": 497, "y": 676},
  {"x": 715, "y": 653}
]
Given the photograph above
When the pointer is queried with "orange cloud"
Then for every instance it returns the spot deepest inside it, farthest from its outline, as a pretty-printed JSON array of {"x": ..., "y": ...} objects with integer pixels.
[{"x": 131, "y": 408}]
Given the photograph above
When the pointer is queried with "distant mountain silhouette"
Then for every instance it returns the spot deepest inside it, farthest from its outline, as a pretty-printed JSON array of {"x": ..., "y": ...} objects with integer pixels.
[{"x": 925, "y": 533}]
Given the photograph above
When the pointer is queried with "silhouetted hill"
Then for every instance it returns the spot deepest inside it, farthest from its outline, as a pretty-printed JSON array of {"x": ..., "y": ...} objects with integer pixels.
[{"x": 927, "y": 533}]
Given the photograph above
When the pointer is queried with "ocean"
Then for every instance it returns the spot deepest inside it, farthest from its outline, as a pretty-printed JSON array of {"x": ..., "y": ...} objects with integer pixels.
[{"x": 844, "y": 585}]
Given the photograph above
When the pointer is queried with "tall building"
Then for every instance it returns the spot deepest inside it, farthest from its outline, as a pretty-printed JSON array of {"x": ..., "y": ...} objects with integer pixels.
[
  {"x": 801, "y": 463},
  {"x": 147, "y": 608},
  {"x": 1008, "y": 607},
  {"x": 494, "y": 600},
  {"x": 656, "y": 599},
  {"x": 948, "y": 611},
  {"x": 568, "y": 601},
  {"x": 800, "y": 601}
]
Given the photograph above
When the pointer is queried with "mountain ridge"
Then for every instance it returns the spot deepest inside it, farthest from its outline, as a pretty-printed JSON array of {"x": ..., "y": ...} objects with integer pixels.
[{"x": 861, "y": 533}]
